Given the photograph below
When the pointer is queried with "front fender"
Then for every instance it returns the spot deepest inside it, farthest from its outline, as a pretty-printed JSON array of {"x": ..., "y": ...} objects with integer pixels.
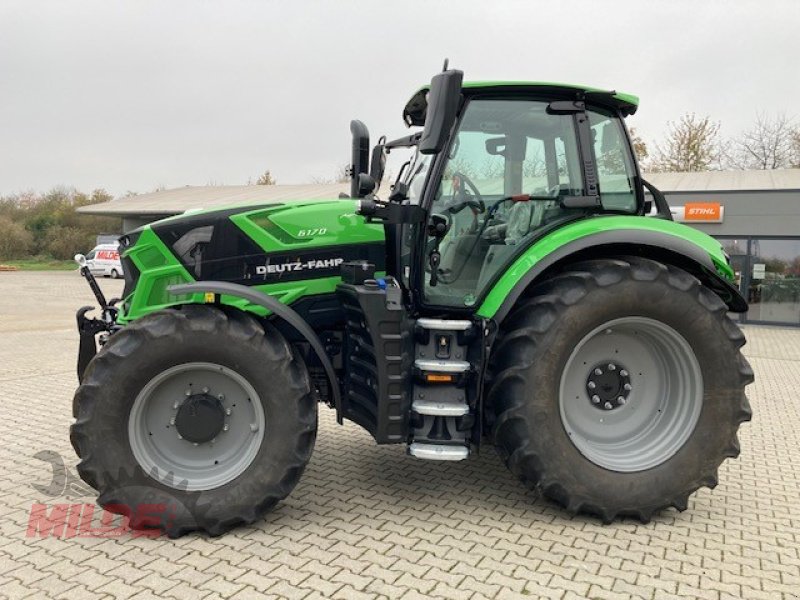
[
  {"x": 281, "y": 311},
  {"x": 603, "y": 236}
]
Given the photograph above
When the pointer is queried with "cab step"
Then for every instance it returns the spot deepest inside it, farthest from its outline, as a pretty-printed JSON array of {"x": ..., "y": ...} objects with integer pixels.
[
  {"x": 442, "y": 366},
  {"x": 438, "y": 451},
  {"x": 444, "y": 324},
  {"x": 439, "y": 409}
]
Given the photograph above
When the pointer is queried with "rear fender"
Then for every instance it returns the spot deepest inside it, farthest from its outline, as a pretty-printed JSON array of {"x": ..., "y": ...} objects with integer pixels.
[{"x": 530, "y": 268}]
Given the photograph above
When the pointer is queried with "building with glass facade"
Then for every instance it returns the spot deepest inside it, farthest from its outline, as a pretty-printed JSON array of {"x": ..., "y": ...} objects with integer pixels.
[{"x": 756, "y": 217}]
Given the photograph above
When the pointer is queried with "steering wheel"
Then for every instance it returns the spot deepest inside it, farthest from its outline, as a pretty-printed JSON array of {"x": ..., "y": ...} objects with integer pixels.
[{"x": 461, "y": 199}]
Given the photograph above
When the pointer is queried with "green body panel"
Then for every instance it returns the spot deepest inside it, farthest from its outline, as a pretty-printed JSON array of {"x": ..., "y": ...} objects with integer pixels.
[
  {"x": 414, "y": 113},
  {"x": 621, "y": 96},
  {"x": 550, "y": 243},
  {"x": 158, "y": 269},
  {"x": 307, "y": 224},
  {"x": 279, "y": 228}
]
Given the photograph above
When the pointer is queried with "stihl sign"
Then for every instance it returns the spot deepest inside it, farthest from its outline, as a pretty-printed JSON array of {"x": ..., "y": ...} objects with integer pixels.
[{"x": 705, "y": 212}]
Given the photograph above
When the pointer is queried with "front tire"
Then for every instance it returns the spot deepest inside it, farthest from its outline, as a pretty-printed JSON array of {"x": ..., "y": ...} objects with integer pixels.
[
  {"x": 207, "y": 414},
  {"x": 618, "y": 388},
  {"x": 114, "y": 274}
]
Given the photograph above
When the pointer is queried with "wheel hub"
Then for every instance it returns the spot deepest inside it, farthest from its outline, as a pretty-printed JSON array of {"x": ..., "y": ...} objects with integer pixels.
[
  {"x": 200, "y": 418},
  {"x": 608, "y": 386}
]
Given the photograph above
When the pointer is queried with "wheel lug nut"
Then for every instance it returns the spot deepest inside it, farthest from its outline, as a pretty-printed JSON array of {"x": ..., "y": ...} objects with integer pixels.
[
  {"x": 591, "y": 385},
  {"x": 621, "y": 401},
  {"x": 228, "y": 411},
  {"x": 612, "y": 367},
  {"x": 225, "y": 427},
  {"x": 205, "y": 390},
  {"x": 180, "y": 437},
  {"x": 608, "y": 406},
  {"x": 221, "y": 397},
  {"x": 194, "y": 443},
  {"x": 172, "y": 421},
  {"x": 598, "y": 371},
  {"x": 624, "y": 373},
  {"x": 627, "y": 387},
  {"x": 176, "y": 405},
  {"x": 596, "y": 399},
  {"x": 253, "y": 427},
  {"x": 188, "y": 392}
]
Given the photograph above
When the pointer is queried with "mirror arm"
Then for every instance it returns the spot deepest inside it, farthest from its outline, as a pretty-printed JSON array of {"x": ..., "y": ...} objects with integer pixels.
[{"x": 390, "y": 213}]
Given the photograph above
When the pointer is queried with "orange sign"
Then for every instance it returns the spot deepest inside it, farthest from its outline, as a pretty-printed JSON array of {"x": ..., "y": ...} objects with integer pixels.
[{"x": 702, "y": 211}]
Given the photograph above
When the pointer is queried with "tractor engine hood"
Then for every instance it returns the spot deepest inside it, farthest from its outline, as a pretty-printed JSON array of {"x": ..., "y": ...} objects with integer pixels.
[{"x": 287, "y": 250}]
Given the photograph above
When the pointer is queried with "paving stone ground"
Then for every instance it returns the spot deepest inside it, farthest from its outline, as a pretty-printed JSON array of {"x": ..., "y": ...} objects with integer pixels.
[{"x": 369, "y": 522}]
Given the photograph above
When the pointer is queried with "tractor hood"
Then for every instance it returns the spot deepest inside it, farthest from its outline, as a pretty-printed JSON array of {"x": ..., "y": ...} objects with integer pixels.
[{"x": 287, "y": 250}]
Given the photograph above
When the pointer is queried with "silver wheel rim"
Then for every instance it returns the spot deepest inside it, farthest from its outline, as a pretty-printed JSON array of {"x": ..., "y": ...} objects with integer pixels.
[
  {"x": 650, "y": 415},
  {"x": 172, "y": 459}
]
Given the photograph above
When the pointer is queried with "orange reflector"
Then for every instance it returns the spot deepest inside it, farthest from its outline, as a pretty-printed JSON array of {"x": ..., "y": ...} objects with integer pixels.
[{"x": 439, "y": 378}]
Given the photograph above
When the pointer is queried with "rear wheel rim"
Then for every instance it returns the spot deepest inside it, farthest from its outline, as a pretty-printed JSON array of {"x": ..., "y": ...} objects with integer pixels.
[
  {"x": 217, "y": 448},
  {"x": 631, "y": 394}
]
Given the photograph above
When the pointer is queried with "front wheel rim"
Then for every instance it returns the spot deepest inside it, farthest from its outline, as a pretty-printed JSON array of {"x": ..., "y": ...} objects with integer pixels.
[
  {"x": 631, "y": 394},
  {"x": 204, "y": 457}
]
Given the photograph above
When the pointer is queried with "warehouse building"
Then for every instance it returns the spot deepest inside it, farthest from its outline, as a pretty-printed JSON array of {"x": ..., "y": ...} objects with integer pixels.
[{"x": 754, "y": 214}]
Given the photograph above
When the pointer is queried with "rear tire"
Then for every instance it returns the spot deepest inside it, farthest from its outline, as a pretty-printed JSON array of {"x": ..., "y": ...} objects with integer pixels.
[
  {"x": 657, "y": 434},
  {"x": 114, "y": 274},
  {"x": 262, "y": 428}
]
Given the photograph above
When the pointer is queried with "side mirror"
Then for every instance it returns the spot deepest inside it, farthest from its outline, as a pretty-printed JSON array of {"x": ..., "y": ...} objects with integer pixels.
[
  {"x": 360, "y": 159},
  {"x": 80, "y": 259},
  {"x": 377, "y": 164},
  {"x": 440, "y": 115}
]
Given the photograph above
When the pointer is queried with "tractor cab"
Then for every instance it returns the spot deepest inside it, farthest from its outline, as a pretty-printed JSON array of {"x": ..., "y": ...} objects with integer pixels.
[{"x": 498, "y": 166}]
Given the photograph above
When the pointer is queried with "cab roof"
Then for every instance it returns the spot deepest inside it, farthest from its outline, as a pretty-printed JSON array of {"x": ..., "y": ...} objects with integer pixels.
[{"x": 414, "y": 112}]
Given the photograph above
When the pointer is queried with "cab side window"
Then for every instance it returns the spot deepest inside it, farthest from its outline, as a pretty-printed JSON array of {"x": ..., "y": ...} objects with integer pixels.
[{"x": 614, "y": 167}]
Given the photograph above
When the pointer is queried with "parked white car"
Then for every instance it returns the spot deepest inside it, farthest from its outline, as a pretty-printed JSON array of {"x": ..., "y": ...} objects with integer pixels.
[{"x": 104, "y": 260}]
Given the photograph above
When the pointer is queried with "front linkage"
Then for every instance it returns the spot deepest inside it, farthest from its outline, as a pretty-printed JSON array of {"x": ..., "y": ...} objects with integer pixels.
[{"x": 89, "y": 328}]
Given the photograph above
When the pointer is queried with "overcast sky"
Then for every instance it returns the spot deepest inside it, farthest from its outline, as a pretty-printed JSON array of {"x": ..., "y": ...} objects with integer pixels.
[{"x": 134, "y": 95}]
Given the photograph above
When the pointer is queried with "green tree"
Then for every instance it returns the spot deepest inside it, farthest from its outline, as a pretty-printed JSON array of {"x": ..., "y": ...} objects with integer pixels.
[
  {"x": 15, "y": 240},
  {"x": 692, "y": 144},
  {"x": 639, "y": 145},
  {"x": 65, "y": 242}
]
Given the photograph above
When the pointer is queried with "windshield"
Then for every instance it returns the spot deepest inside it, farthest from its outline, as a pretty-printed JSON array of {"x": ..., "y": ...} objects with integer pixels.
[{"x": 507, "y": 148}]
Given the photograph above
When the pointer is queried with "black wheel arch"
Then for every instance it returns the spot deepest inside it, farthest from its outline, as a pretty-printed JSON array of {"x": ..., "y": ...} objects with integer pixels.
[
  {"x": 661, "y": 247},
  {"x": 281, "y": 311}
]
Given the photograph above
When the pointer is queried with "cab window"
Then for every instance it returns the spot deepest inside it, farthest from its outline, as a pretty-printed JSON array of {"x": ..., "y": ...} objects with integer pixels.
[{"x": 507, "y": 148}]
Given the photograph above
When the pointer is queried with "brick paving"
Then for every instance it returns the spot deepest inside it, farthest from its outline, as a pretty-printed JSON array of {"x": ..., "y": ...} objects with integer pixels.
[{"x": 369, "y": 522}]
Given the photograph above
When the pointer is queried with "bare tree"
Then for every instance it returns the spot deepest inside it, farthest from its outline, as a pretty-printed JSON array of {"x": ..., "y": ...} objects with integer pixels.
[
  {"x": 772, "y": 143},
  {"x": 265, "y": 178},
  {"x": 340, "y": 175},
  {"x": 795, "y": 148},
  {"x": 692, "y": 144}
]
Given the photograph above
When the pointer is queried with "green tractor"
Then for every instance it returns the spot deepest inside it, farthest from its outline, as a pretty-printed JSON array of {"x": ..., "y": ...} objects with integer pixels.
[{"x": 515, "y": 286}]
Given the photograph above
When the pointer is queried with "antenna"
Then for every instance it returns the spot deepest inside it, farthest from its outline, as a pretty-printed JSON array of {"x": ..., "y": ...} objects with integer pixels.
[{"x": 446, "y": 62}]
